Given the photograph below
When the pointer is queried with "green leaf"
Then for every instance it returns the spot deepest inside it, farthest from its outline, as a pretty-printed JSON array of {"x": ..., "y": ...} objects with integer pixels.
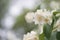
[
  {"x": 56, "y": 18},
  {"x": 41, "y": 36},
  {"x": 58, "y": 35},
  {"x": 53, "y": 35},
  {"x": 56, "y": 12},
  {"x": 47, "y": 30}
]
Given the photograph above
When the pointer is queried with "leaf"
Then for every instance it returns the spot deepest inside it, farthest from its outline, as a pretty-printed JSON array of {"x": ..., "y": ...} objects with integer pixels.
[
  {"x": 41, "y": 36},
  {"x": 56, "y": 18},
  {"x": 47, "y": 30},
  {"x": 53, "y": 35},
  {"x": 56, "y": 12},
  {"x": 58, "y": 35}
]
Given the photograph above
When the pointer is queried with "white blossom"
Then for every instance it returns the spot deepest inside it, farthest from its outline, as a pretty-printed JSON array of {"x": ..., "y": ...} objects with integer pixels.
[
  {"x": 54, "y": 5},
  {"x": 42, "y": 16},
  {"x": 58, "y": 25},
  {"x": 29, "y": 17},
  {"x": 31, "y": 36}
]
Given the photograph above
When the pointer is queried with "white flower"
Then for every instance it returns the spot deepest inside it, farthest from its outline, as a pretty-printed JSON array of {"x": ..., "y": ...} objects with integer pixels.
[
  {"x": 29, "y": 17},
  {"x": 42, "y": 16},
  {"x": 31, "y": 36},
  {"x": 58, "y": 25},
  {"x": 54, "y": 5}
]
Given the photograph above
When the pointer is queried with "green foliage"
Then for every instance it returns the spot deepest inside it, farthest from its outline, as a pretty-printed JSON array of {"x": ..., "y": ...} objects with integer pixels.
[
  {"x": 58, "y": 35},
  {"x": 56, "y": 13},
  {"x": 53, "y": 36},
  {"x": 47, "y": 34},
  {"x": 47, "y": 30},
  {"x": 41, "y": 36}
]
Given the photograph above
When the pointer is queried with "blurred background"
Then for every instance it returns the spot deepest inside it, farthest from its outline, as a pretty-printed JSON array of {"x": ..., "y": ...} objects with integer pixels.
[{"x": 12, "y": 12}]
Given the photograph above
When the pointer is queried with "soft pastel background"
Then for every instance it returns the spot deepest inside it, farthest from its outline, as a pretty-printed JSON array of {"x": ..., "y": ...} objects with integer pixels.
[{"x": 12, "y": 23}]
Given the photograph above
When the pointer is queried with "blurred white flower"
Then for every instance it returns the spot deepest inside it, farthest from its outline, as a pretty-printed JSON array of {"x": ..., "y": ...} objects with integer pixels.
[
  {"x": 42, "y": 16},
  {"x": 58, "y": 25},
  {"x": 31, "y": 36},
  {"x": 54, "y": 5},
  {"x": 29, "y": 17}
]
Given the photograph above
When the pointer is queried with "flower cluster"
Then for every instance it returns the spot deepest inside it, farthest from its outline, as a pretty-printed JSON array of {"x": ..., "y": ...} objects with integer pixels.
[
  {"x": 31, "y": 36},
  {"x": 40, "y": 17}
]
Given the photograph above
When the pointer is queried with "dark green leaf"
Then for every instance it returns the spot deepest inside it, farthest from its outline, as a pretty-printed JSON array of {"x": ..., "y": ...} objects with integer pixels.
[
  {"x": 47, "y": 30},
  {"x": 56, "y": 12},
  {"x": 58, "y": 35}
]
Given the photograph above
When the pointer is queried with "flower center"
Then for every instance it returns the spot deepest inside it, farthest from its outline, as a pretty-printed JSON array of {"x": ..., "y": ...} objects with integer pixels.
[{"x": 39, "y": 17}]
